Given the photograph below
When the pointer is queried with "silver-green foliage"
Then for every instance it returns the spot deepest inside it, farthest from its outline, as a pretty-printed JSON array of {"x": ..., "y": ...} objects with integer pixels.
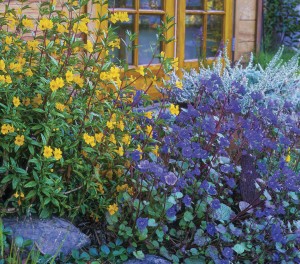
[{"x": 279, "y": 81}]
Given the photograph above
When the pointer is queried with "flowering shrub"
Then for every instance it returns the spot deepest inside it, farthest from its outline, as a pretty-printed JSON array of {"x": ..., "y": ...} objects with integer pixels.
[
  {"x": 67, "y": 116},
  {"x": 189, "y": 206}
]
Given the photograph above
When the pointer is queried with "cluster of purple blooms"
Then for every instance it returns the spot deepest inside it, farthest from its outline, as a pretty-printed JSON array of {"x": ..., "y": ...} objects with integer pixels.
[{"x": 199, "y": 158}]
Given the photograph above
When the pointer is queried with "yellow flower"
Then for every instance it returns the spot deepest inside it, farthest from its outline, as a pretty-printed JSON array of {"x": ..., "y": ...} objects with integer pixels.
[
  {"x": 148, "y": 115},
  {"x": 119, "y": 16},
  {"x": 57, "y": 83},
  {"x": 2, "y": 78},
  {"x": 69, "y": 76},
  {"x": 80, "y": 27},
  {"x": 110, "y": 124},
  {"x": 79, "y": 81},
  {"x": 6, "y": 128},
  {"x": 175, "y": 64},
  {"x": 88, "y": 46},
  {"x": 155, "y": 151},
  {"x": 32, "y": 44},
  {"x": 27, "y": 23},
  {"x": 90, "y": 140},
  {"x": 178, "y": 84},
  {"x": 141, "y": 70},
  {"x": 59, "y": 106},
  {"x": 36, "y": 101},
  {"x": 15, "y": 67},
  {"x": 99, "y": 137},
  {"x": 112, "y": 209},
  {"x": 26, "y": 101},
  {"x": 48, "y": 151},
  {"x": 8, "y": 40},
  {"x": 149, "y": 130},
  {"x": 8, "y": 79},
  {"x": 61, "y": 29},
  {"x": 120, "y": 151},
  {"x": 100, "y": 188},
  {"x": 121, "y": 125},
  {"x": 45, "y": 24},
  {"x": 57, "y": 153},
  {"x": 16, "y": 101},
  {"x": 112, "y": 138},
  {"x": 126, "y": 139},
  {"x": 2, "y": 65},
  {"x": 29, "y": 73},
  {"x": 288, "y": 158},
  {"x": 19, "y": 140},
  {"x": 174, "y": 109}
]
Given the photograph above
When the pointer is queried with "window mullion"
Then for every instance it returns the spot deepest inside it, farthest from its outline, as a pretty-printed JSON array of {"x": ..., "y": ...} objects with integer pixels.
[{"x": 136, "y": 30}]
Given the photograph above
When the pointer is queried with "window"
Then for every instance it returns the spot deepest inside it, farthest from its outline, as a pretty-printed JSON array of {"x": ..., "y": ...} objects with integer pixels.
[
  {"x": 145, "y": 16},
  {"x": 202, "y": 27}
]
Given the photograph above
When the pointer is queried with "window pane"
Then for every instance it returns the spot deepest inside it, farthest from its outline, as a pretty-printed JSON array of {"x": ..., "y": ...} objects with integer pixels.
[
  {"x": 194, "y": 5},
  {"x": 214, "y": 35},
  {"x": 215, "y": 4},
  {"x": 147, "y": 38},
  {"x": 150, "y": 4},
  {"x": 193, "y": 36},
  {"x": 125, "y": 52},
  {"x": 120, "y": 3}
]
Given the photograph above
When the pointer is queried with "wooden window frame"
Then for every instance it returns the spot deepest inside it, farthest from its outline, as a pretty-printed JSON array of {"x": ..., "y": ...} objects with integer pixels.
[{"x": 227, "y": 30}]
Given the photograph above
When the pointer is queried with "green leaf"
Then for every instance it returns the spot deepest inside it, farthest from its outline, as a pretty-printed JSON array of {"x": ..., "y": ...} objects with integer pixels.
[
  {"x": 239, "y": 248},
  {"x": 151, "y": 222},
  {"x": 223, "y": 214},
  {"x": 188, "y": 216},
  {"x": 19, "y": 241},
  {"x": 139, "y": 254},
  {"x": 31, "y": 194},
  {"x": 105, "y": 249},
  {"x": 21, "y": 171},
  {"x": 3, "y": 169},
  {"x": 30, "y": 184}
]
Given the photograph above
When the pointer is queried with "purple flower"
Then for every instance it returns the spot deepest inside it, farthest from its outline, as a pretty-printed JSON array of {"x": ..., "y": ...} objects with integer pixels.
[
  {"x": 211, "y": 190},
  {"x": 230, "y": 182},
  {"x": 210, "y": 228},
  {"x": 187, "y": 152},
  {"x": 187, "y": 201},
  {"x": 170, "y": 178},
  {"x": 171, "y": 212},
  {"x": 135, "y": 155},
  {"x": 215, "y": 204},
  {"x": 227, "y": 252},
  {"x": 142, "y": 223},
  {"x": 144, "y": 165}
]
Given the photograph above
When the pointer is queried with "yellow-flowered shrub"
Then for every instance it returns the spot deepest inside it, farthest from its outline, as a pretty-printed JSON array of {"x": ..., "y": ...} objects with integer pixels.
[{"x": 67, "y": 125}]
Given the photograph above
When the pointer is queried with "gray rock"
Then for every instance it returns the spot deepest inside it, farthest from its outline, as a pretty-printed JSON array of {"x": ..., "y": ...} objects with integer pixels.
[
  {"x": 49, "y": 235},
  {"x": 149, "y": 259}
]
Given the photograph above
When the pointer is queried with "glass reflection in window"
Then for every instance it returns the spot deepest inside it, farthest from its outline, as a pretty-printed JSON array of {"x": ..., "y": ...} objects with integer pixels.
[
  {"x": 124, "y": 51},
  {"x": 193, "y": 36},
  {"x": 214, "y": 35},
  {"x": 194, "y": 5},
  {"x": 147, "y": 38},
  {"x": 215, "y": 4},
  {"x": 150, "y": 4},
  {"x": 120, "y": 4}
]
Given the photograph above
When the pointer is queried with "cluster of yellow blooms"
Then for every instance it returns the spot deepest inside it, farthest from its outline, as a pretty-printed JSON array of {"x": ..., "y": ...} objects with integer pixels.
[
  {"x": 91, "y": 140},
  {"x": 19, "y": 140},
  {"x": 56, "y": 84},
  {"x": 20, "y": 196},
  {"x": 45, "y": 24},
  {"x": 6, "y": 128},
  {"x": 119, "y": 16},
  {"x": 113, "y": 208},
  {"x": 125, "y": 187},
  {"x": 49, "y": 152},
  {"x": 174, "y": 109}
]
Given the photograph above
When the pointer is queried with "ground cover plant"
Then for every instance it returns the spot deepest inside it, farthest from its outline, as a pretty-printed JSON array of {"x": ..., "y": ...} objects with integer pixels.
[{"x": 74, "y": 143}]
